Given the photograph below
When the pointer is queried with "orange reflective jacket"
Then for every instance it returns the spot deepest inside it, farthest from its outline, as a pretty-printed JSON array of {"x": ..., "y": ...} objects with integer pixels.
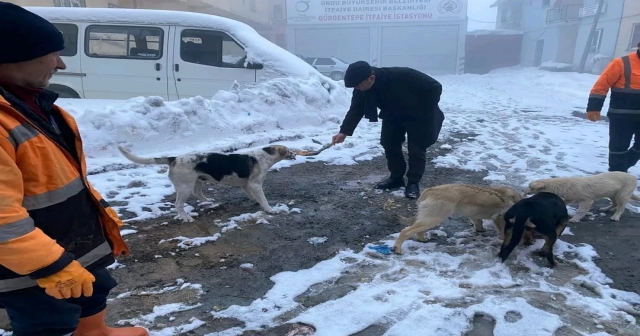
[
  {"x": 49, "y": 213},
  {"x": 622, "y": 76}
]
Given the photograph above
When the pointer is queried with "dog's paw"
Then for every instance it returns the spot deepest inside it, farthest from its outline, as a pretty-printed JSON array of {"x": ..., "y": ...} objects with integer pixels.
[
  {"x": 420, "y": 238},
  {"x": 575, "y": 219},
  {"x": 397, "y": 250},
  {"x": 184, "y": 218},
  {"x": 269, "y": 210},
  {"x": 607, "y": 208},
  {"x": 615, "y": 218},
  {"x": 541, "y": 253}
]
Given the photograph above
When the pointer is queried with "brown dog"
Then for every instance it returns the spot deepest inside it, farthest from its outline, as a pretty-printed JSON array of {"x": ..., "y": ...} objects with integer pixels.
[{"x": 475, "y": 202}]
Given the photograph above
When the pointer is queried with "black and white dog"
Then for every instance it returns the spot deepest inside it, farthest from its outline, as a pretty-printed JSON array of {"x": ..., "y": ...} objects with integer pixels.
[{"x": 246, "y": 170}]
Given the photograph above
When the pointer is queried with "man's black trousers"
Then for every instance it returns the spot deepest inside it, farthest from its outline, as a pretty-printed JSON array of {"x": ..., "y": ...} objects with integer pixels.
[
  {"x": 622, "y": 128},
  {"x": 419, "y": 136}
]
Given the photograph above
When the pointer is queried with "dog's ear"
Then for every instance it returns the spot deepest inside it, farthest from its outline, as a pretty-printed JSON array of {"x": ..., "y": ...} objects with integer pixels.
[
  {"x": 536, "y": 185},
  {"x": 283, "y": 151}
]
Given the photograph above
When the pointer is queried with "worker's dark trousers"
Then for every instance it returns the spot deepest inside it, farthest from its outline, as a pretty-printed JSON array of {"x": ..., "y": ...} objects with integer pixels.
[
  {"x": 33, "y": 312},
  {"x": 418, "y": 139},
  {"x": 622, "y": 128}
]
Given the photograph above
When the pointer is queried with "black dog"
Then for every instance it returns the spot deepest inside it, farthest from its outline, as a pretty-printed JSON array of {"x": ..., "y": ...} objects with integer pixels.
[{"x": 545, "y": 213}]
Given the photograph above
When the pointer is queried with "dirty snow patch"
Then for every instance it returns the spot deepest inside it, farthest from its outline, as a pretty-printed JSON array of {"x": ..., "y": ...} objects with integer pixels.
[
  {"x": 439, "y": 288},
  {"x": 259, "y": 217},
  {"x": 193, "y": 324},
  {"x": 317, "y": 240},
  {"x": 127, "y": 232}
]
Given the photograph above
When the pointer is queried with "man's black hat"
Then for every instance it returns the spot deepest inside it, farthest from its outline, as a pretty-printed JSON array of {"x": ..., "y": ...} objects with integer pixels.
[
  {"x": 356, "y": 73},
  {"x": 25, "y": 36}
]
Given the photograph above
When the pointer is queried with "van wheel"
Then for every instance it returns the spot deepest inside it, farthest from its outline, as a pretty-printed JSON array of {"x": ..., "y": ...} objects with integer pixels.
[
  {"x": 64, "y": 92},
  {"x": 336, "y": 76}
]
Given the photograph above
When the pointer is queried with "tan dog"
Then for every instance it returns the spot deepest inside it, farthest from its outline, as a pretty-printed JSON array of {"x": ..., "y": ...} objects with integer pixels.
[
  {"x": 475, "y": 202},
  {"x": 617, "y": 186}
]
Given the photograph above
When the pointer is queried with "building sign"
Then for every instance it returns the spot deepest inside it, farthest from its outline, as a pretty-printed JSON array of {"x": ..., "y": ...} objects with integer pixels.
[{"x": 300, "y": 12}]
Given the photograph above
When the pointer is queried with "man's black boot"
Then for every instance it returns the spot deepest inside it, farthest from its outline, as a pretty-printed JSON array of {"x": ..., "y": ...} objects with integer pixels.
[
  {"x": 412, "y": 190},
  {"x": 391, "y": 183}
]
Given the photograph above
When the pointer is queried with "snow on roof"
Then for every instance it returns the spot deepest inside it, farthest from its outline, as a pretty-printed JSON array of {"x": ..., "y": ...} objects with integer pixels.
[{"x": 258, "y": 48}]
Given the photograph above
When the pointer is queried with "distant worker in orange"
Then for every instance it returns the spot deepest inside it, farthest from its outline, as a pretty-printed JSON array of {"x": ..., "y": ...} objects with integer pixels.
[{"x": 622, "y": 76}]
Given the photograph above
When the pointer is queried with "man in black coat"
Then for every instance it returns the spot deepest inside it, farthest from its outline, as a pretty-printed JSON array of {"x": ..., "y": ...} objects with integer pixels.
[{"x": 408, "y": 102}]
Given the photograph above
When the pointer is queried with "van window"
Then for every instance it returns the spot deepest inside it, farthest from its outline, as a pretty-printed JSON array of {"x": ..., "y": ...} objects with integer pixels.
[
  {"x": 124, "y": 42},
  {"x": 213, "y": 48},
  {"x": 70, "y": 34}
]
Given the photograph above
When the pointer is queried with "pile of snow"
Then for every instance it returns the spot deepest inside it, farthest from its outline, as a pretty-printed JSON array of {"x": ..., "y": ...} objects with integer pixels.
[
  {"x": 439, "y": 289},
  {"x": 151, "y": 124},
  {"x": 556, "y": 66}
]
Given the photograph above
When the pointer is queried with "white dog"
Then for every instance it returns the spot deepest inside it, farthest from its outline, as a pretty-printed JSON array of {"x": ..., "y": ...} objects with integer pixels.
[
  {"x": 245, "y": 170},
  {"x": 617, "y": 186}
]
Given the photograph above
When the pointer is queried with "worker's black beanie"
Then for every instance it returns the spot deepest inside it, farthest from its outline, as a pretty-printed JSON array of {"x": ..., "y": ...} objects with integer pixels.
[
  {"x": 25, "y": 36},
  {"x": 356, "y": 73}
]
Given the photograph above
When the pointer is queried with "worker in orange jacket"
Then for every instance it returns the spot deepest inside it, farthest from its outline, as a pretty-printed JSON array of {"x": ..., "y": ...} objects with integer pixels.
[
  {"x": 622, "y": 76},
  {"x": 57, "y": 233}
]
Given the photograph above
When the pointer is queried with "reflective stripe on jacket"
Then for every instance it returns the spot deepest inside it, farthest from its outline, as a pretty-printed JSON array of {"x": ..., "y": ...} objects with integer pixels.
[
  {"x": 622, "y": 76},
  {"x": 49, "y": 212}
]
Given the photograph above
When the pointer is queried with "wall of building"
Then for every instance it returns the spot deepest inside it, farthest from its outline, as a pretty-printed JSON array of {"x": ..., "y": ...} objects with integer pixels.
[
  {"x": 626, "y": 43},
  {"x": 564, "y": 41},
  {"x": 609, "y": 22},
  {"x": 428, "y": 37},
  {"x": 533, "y": 24}
]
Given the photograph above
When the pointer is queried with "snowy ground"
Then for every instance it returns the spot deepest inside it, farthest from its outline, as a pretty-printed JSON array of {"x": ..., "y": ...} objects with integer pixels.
[{"x": 524, "y": 128}]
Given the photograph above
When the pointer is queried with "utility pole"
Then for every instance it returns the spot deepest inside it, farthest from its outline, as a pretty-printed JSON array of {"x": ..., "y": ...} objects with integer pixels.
[{"x": 585, "y": 52}]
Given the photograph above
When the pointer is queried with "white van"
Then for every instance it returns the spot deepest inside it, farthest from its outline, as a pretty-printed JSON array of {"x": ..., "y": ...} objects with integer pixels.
[{"x": 116, "y": 53}]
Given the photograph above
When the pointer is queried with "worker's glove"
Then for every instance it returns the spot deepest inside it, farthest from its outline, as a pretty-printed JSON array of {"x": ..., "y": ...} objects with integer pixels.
[
  {"x": 593, "y": 115},
  {"x": 73, "y": 280}
]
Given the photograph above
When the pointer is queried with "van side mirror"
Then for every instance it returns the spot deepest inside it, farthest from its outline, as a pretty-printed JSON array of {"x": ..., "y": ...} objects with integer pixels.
[{"x": 256, "y": 66}]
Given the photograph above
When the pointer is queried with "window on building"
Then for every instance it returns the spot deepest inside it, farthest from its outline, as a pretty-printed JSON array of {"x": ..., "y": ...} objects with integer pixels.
[
  {"x": 596, "y": 39},
  {"x": 70, "y": 34},
  {"x": 635, "y": 36},
  {"x": 69, "y": 3},
  {"x": 546, "y": 2},
  {"x": 252, "y": 5},
  {"x": 278, "y": 13},
  {"x": 124, "y": 42},
  {"x": 213, "y": 48},
  {"x": 325, "y": 61},
  {"x": 280, "y": 40}
]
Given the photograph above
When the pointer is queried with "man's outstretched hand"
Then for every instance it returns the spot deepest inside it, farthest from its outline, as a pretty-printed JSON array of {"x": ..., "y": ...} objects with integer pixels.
[{"x": 338, "y": 138}]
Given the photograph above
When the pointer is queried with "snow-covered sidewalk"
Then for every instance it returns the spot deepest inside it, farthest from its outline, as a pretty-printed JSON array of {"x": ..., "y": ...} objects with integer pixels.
[{"x": 524, "y": 128}]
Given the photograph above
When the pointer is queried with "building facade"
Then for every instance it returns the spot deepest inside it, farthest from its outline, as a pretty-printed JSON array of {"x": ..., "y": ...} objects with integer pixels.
[
  {"x": 428, "y": 35},
  {"x": 556, "y": 32},
  {"x": 629, "y": 35},
  {"x": 259, "y": 14}
]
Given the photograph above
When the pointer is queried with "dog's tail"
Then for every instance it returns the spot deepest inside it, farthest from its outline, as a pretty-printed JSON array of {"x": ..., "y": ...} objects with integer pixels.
[
  {"x": 519, "y": 223},
  {"x": 142, "y": 160},
  {"x": 407, "y": 221},
  {"x": 635, "y": 197}
]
